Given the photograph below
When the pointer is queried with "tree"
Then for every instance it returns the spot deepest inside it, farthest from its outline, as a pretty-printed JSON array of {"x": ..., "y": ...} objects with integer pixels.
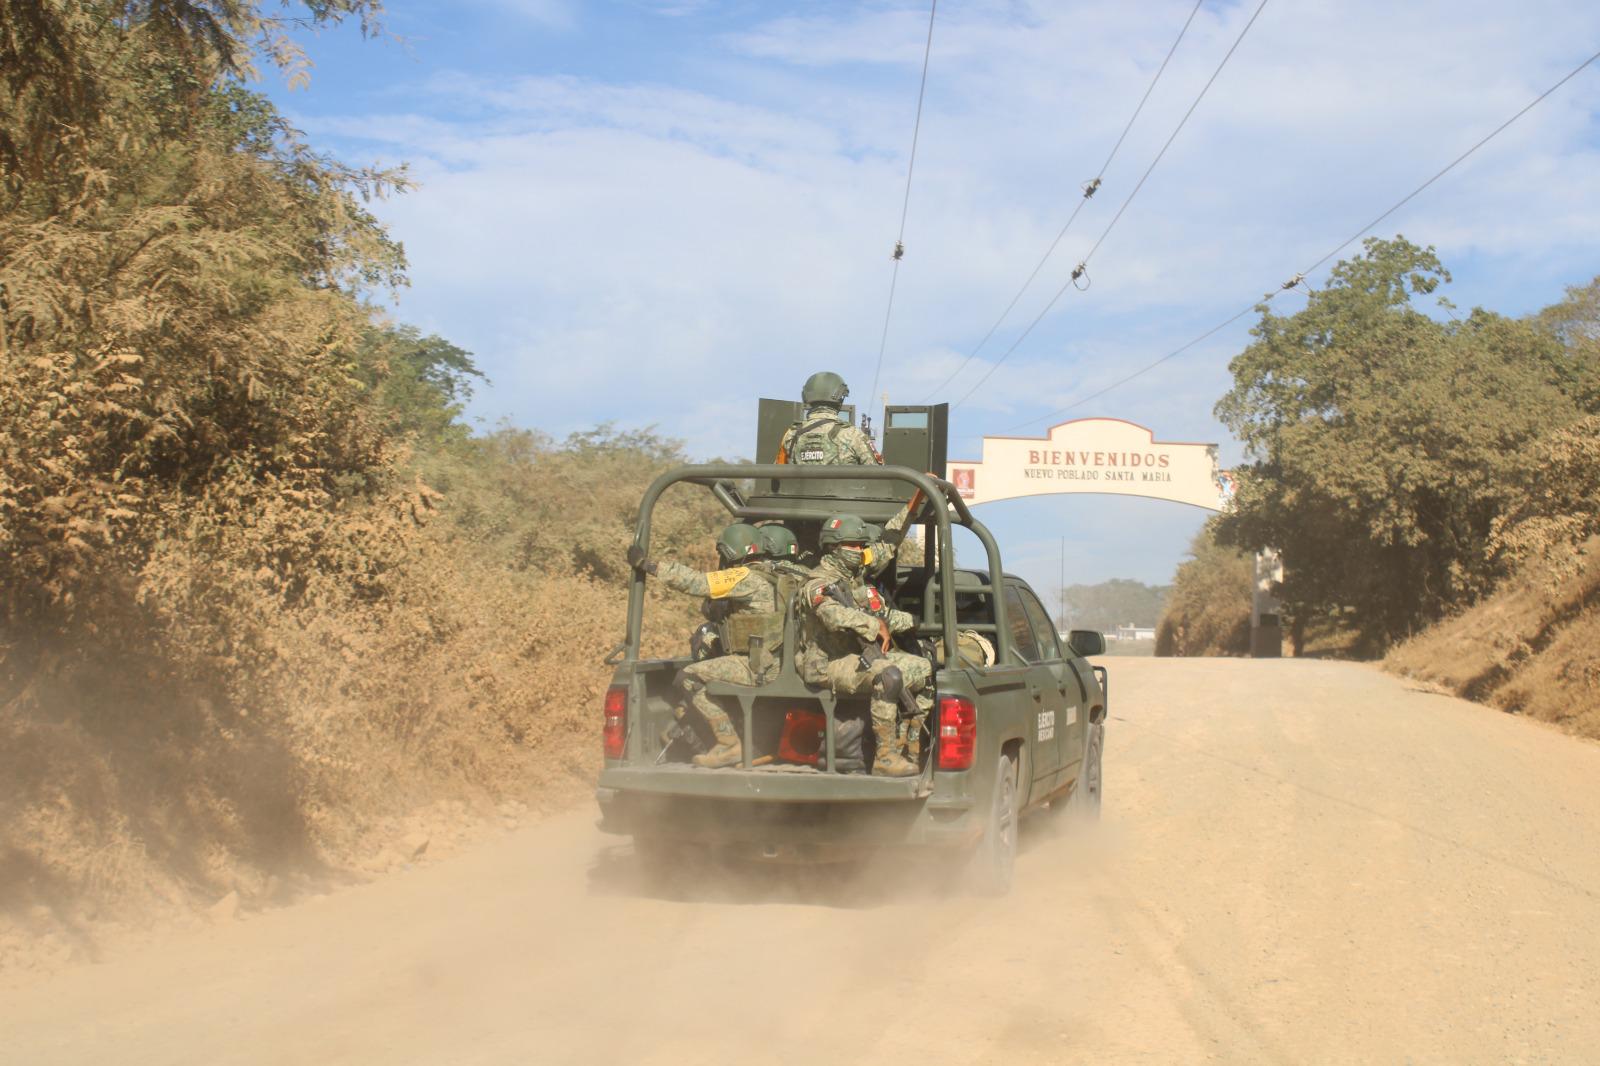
[
  {"x": 182, "y": 287},
  {"x": 1207, "y": 611},
  {"x": 422, "y": 383},
  {"x": 1385, "y": 442}
]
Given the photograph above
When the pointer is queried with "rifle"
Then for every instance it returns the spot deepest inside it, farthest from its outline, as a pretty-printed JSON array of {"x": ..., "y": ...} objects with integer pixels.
[{"x": 681, "y": 732}]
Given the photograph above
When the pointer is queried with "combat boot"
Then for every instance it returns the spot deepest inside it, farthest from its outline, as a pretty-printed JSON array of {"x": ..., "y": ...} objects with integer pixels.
[
  {"x": 728, "y": 751},
  {"x": 913, "y": 739},
  {"x": 888, "y": 762}
]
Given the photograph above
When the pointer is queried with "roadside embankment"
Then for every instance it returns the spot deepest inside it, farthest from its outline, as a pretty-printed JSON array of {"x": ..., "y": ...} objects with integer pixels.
[{"x": 1531, "y": 648}]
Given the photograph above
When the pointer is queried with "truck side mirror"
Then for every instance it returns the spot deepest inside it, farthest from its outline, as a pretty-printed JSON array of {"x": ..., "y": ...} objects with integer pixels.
[{"x": 1086, "y": 642}]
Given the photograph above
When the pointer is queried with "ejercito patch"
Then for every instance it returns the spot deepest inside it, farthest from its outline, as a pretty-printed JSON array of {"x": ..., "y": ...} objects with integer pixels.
[{"x": 812, "y": 455}]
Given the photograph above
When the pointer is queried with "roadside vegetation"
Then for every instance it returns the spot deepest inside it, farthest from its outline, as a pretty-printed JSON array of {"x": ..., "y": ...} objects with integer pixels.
[
  {"x": 265, "y": 596},
  {"x": 1207, "y": 609},
  {"x": 1119, "y": 601},
  {"x": 1432, "y": 479}
]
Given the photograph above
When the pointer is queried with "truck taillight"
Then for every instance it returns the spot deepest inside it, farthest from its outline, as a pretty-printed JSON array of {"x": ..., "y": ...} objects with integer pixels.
[
  {"x": 958, "y": 733},
  {"x": 616, "y": 729}
]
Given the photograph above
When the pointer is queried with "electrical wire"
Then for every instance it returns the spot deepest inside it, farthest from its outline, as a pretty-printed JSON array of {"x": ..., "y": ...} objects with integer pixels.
[
  {"x": 1299, "y": 277},
  {"x": 1081, "y": 269},
  {"x": 905, "y": 203},
  {"x": 1089, "y": 189}
]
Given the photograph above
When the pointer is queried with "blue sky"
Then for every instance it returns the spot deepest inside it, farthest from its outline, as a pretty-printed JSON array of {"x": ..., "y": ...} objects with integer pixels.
[{"x": 653, "y": 211}]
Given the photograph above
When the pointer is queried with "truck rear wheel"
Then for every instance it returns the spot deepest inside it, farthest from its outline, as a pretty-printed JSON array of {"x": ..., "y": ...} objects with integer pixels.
[{"x": 996, "y": 857}]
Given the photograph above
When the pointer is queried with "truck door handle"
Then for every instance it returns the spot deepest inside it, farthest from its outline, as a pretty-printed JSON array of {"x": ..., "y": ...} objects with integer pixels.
[{"x": 1062, "y": 688}]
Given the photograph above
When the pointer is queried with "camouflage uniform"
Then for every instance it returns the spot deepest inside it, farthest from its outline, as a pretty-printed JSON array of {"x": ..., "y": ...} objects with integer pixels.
[
  {"x": 747, "y": 590},
  {"x": 822, "y": 438},
  {"x": 835, "y": 633}
]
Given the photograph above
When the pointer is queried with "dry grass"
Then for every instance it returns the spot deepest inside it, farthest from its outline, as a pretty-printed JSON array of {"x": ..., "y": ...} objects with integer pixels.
[
  {"x": 1531, "y": 648},
  {"x": 265, "y": 745}
]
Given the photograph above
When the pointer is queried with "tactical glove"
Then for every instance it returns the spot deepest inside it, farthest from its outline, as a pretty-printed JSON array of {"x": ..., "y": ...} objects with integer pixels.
[{"x": 637, "y": 560}]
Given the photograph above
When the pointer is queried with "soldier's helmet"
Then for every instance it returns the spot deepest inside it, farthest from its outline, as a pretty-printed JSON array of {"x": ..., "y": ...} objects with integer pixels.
[
  {"x": 779, "y": 542},
  {"x": 844, "y": 529},
  {"x": 824, "y": 387},
  {"x": 740, "y": 542}
]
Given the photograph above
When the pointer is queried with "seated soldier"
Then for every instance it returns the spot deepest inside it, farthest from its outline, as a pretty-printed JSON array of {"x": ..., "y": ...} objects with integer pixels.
[
  {"x": 824, "y": 436},
  {"x": 783, "y": 551},
  {"x": 779, "y": 555},
  {"x": 751, "y": 632},
  {"x": 847, "y": 643}
]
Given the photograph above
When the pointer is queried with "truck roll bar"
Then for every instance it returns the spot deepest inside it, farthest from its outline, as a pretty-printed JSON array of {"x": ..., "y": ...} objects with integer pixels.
[{"x": 717, "y": 475}]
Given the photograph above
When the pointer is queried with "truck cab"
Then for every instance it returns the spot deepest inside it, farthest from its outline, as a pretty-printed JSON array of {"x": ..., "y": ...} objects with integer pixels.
[{"x": 1021, "y": 731}]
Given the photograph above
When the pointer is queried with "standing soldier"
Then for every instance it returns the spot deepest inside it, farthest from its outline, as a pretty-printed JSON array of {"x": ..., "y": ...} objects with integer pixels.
[
  {"x": 752, "y": 630},
  {"x": 823, "y": 436},
  {"x": 848, "y": 642}
]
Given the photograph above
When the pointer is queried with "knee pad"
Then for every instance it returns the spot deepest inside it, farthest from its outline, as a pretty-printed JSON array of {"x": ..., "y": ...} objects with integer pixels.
[
  {"x": 888, "y": 684},
  {"x": 705, "y": 642},
  {"x": 687, "y": 686}
]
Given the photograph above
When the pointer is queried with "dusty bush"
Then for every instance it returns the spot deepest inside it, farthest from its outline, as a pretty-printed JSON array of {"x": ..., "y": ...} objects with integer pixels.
[
  {"x": 254, "y": 721},
  {"x": 1533, "y": 647},
  {"x": 1207, "y": 611}
]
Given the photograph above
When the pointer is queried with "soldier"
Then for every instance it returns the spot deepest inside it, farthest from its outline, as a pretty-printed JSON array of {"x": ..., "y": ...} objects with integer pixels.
[
  {"x": 783, "y": 551},
  {"x": 823, "y": 436},
  {"x": 848, "y": 642},
  {"x": 752, "y": 630}
]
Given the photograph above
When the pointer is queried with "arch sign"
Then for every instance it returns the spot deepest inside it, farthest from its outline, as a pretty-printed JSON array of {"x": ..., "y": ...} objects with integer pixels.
[{"x": 1105, "y": 455}]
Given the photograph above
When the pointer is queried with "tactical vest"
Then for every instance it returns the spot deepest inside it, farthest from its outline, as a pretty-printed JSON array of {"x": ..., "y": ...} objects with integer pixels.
[
  {"x": 742, "y": 626},
  {"x": 816, "y": 440}
]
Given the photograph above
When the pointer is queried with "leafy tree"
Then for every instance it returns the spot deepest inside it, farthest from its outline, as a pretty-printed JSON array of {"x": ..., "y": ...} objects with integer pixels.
[
  {"x": 1575, "y": 321},
  {"x": 1386, "y": 442},
  {"x": 422, "y": 383},
  {"x": 181, "y": 303}
]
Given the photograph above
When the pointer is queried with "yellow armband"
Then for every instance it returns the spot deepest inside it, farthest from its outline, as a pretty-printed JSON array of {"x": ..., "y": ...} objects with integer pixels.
[{"x": 722, "y": 582}]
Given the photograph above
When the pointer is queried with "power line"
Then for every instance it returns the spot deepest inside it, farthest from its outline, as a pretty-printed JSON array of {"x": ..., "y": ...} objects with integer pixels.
[
  {"x": 1089, "y": 189},
  {"x": 905, "y": 204},
  {"x": 1301, "y": 275},
  {"x": 1081, "y": 270},
  {"x": 1174, "y": 136}
]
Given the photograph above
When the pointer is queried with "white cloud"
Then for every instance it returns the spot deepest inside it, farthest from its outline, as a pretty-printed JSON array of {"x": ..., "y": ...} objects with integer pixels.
[
  {"x": 552, "y": 14},
  {"x": 664, "y": 252}
]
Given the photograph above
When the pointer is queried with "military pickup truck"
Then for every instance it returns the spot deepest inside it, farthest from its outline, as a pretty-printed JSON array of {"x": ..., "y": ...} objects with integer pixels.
[{"x": 1023, "y": 732}]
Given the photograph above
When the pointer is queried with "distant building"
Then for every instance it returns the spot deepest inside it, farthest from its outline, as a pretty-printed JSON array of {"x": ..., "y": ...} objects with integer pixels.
[{"x": 1133, "y": 632}]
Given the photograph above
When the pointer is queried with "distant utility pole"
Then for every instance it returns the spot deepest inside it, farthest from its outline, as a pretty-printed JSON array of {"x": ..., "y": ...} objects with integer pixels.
[{"x": 1061, "y": 611}]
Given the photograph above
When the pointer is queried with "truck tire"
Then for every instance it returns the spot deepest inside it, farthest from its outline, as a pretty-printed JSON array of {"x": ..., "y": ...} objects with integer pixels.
[
  {"x": 1085, "y": 802},
  {"x": 996, "y": 857}
]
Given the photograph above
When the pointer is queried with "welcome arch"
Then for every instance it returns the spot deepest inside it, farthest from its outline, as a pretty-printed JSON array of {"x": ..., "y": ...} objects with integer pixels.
[{"x": 1120, "y": 458}]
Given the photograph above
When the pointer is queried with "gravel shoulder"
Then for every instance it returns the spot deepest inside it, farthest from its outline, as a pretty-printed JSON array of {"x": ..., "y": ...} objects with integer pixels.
[{"x": 1299, "y": 861}]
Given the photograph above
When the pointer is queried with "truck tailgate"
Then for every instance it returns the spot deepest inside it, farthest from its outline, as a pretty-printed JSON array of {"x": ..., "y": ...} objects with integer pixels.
[{"x": 780, "y": 784}]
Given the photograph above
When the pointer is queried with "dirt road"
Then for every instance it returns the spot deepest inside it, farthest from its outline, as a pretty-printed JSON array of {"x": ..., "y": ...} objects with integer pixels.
[{"x": 1299, "y": 862}]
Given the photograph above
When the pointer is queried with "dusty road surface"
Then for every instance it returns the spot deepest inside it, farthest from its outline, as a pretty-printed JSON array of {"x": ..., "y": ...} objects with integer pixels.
[{"x": 1299, "y": 862}]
